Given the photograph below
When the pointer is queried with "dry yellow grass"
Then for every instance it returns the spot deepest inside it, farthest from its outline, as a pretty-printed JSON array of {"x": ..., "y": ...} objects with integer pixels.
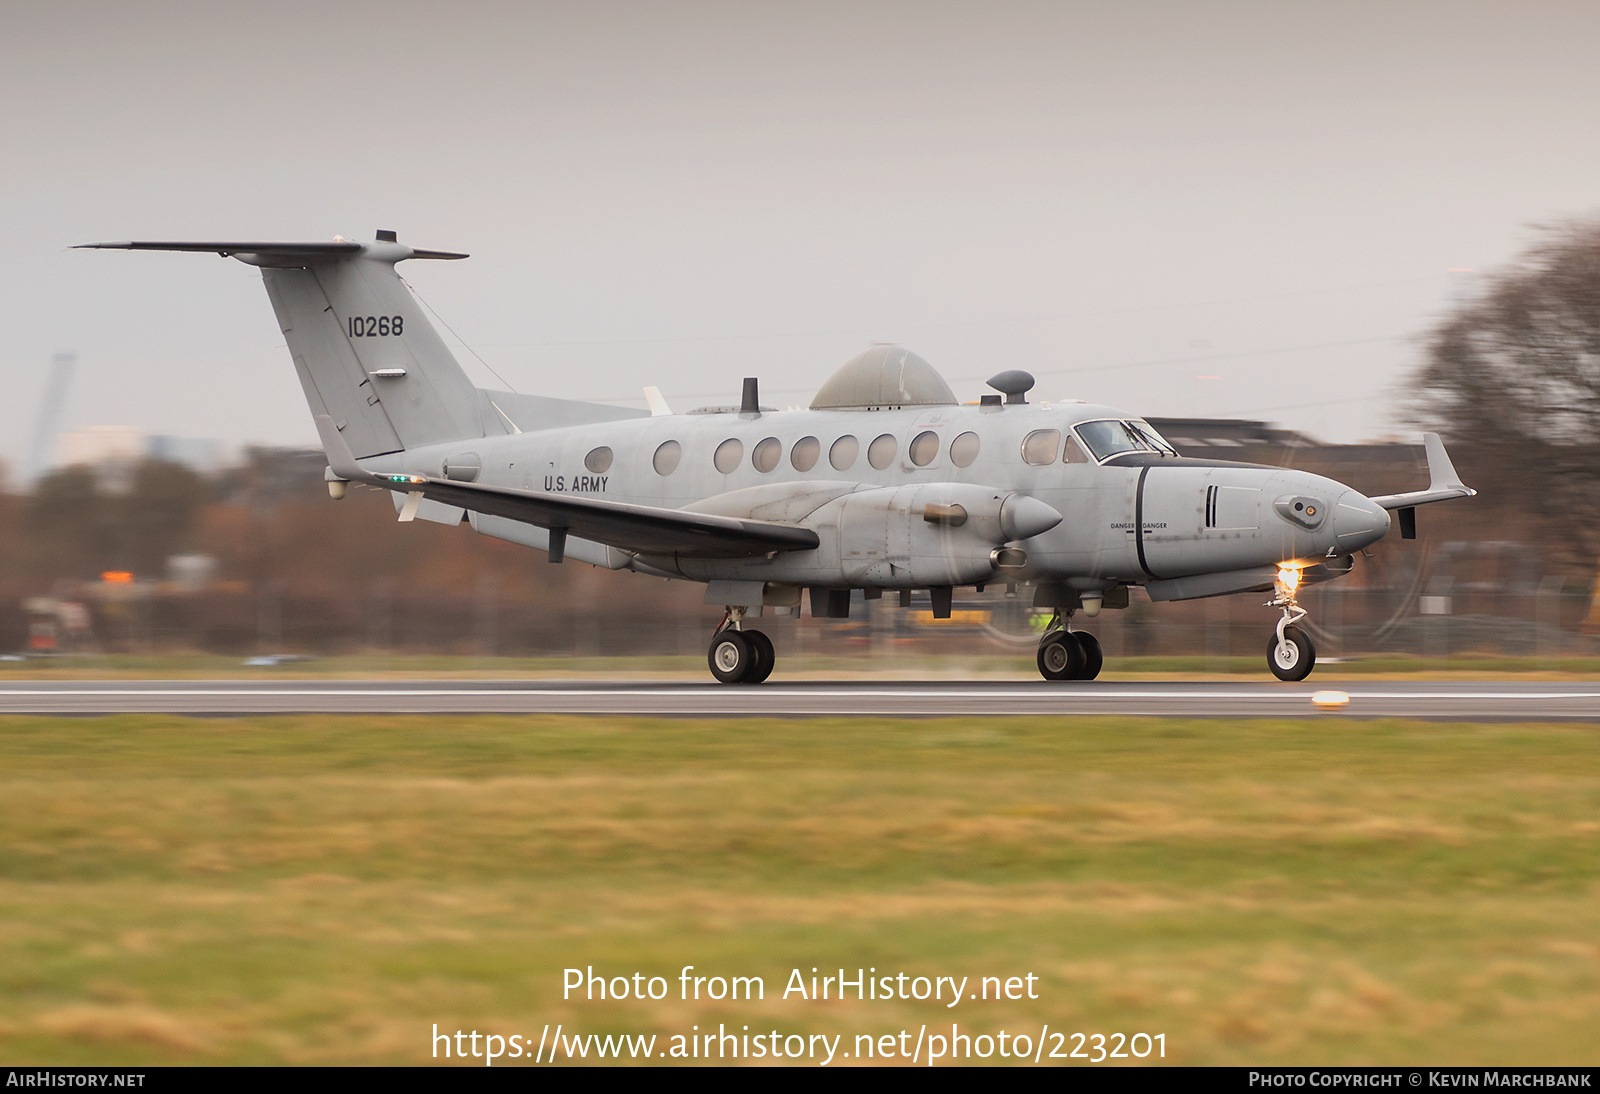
[{"x": 324, "y": 889}]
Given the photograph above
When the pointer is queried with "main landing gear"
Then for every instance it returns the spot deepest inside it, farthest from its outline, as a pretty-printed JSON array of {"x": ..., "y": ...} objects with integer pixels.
[
  {"x": 1290, "y": 653},
  {"x": 1068, "y": 655},
  {"x": 738, "y": 656}
]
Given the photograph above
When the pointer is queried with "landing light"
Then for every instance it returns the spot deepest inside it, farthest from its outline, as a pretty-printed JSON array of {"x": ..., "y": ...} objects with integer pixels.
[{"x": 1289, "y": 578}]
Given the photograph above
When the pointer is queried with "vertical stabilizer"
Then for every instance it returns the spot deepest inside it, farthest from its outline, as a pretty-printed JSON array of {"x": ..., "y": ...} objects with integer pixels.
[{"x": 366, "y": 356}]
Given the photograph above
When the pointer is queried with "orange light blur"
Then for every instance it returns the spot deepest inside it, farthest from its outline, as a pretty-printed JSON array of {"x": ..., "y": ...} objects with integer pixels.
[
  {"x": 1289, "y": 578},
  {"x": 117, "y": 577}
]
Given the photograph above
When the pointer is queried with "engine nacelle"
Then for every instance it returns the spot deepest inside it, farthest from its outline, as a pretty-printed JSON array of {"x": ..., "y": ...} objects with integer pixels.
[
  {"x": 932, "y": 534},
  {"x": 938, "y": 533}
]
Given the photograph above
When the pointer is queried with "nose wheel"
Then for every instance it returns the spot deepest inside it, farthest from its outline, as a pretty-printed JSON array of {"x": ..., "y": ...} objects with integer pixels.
[
  {"x": 1291, "y": 655},
  {"x": 738, "y": 656}
]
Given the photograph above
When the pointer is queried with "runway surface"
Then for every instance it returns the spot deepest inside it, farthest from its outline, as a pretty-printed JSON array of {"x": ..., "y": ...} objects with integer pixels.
[{"x": 1454, "y": 700}]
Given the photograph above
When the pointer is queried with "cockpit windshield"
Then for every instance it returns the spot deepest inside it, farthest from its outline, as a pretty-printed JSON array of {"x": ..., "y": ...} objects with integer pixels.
[
  {"x": 1154, "y": 439},
  {"x": 1109, "y": 438}
]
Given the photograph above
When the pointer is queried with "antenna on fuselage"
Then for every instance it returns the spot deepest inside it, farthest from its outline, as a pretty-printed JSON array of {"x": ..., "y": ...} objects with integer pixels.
[
  {"x": 750, "y": 404},
  {"x": 1013, "y": 383}
]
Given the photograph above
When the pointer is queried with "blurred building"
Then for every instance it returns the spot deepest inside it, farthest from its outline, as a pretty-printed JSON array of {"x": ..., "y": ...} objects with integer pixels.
[
  {"x": 111, "y": 446},
  {"x": 97, "y": 445},
  {"x": 264, "y": 477},
  {"x": 196, "y": 453}
]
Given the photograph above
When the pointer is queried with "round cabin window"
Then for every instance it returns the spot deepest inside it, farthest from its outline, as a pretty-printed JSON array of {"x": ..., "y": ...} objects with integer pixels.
[
  {"x": 599, "y": 460},
  {"x": 964, "y": 449},
  {"x": 667, "y": 457},
  {"x": 844, "y": 452},
  {"x": 767, "y": 454},
  {"x": 804, "y": 455},
  {"x": 728, "y": 455},
  {"x": 924, "y": 448},
  {"x": 880, "y": 453}
]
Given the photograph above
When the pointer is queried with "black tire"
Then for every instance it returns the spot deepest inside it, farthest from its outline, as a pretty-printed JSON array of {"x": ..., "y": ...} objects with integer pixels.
[
  {"x": 765, "y": 658},
  {"x": 1060, "y": 657},
  {"x": 1297, "y": 659},
  {"x": 1093, "y": 657},
  {"x": 730, "y": 656}
]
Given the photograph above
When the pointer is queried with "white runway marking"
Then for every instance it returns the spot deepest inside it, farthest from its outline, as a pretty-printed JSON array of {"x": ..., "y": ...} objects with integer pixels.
[
  {"x": 1462, "y": 700},
  {"x": 843, "y": 691}
]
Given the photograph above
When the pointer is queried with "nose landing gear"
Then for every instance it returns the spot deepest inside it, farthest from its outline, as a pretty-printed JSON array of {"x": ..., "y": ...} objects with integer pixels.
[
  {"x": 738, "y": 656},
  {"x": 1290, "y": 653},
  {"x": 1068, "y": 655}
]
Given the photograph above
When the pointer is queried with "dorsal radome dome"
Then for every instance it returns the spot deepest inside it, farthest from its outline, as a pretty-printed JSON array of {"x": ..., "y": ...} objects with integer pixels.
[{"x": 882, "y": 378}]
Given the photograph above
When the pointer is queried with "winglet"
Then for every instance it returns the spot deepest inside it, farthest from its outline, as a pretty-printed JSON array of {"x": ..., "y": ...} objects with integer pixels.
[
  {"x": 1443, "y": 483},
  {"x": 340, "y": 458},
  {"x": 1441, "y": 472}
]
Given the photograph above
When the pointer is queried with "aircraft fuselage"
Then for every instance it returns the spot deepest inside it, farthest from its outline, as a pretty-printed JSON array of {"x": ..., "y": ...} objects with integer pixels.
[{"x": 870, "y": 477}]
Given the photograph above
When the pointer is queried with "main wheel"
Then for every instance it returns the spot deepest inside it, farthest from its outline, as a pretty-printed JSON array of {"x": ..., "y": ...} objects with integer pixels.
[
  {"x": 731, "y": 656},
  {"x": 1060, "y": 657},
  {"x": 765, "y": 657},
  {"x": 1294, "y": 658},
  {"x": 1093, "y": 658}
]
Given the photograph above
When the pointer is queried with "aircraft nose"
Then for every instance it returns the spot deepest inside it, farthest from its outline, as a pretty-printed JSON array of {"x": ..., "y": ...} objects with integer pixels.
[{"x": 1358, "y": 521}]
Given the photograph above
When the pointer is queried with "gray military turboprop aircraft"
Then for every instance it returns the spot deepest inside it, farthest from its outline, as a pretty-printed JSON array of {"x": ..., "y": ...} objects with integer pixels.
[{"x": 885, "y": 483}]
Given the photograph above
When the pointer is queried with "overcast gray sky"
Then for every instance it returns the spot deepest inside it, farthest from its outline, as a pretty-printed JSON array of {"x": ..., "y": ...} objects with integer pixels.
[{"x": 1125, "y": 199}]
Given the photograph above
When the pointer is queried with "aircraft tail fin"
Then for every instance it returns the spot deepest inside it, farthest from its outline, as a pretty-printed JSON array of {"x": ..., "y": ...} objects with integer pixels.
[{"x": 366, "y": 355}]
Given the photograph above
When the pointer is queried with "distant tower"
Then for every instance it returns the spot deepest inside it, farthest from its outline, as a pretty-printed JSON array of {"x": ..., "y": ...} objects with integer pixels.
[{"x": 55, "y": 397}]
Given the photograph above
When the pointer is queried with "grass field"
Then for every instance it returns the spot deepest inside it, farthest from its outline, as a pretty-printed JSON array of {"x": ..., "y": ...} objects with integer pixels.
[{"x": 325, "y": 889}]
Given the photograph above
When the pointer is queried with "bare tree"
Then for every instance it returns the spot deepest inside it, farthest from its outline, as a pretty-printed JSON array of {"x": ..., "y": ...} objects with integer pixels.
[{"x": 1513, "y": 379}]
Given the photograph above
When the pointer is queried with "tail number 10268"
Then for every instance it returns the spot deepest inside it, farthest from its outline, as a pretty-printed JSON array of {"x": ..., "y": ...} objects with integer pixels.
[{"x": 375, "y": 326}]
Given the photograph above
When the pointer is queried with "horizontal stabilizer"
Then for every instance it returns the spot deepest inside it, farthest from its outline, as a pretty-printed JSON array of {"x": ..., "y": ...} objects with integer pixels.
[
  {"x": 320, "y": 247},
  {"x": 326, "y": 248}
]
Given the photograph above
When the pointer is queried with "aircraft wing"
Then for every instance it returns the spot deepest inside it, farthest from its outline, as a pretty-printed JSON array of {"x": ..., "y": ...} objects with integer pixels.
[
  {"x": 644, "y": 529},
  {"x": 1443, "y": 484}
]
